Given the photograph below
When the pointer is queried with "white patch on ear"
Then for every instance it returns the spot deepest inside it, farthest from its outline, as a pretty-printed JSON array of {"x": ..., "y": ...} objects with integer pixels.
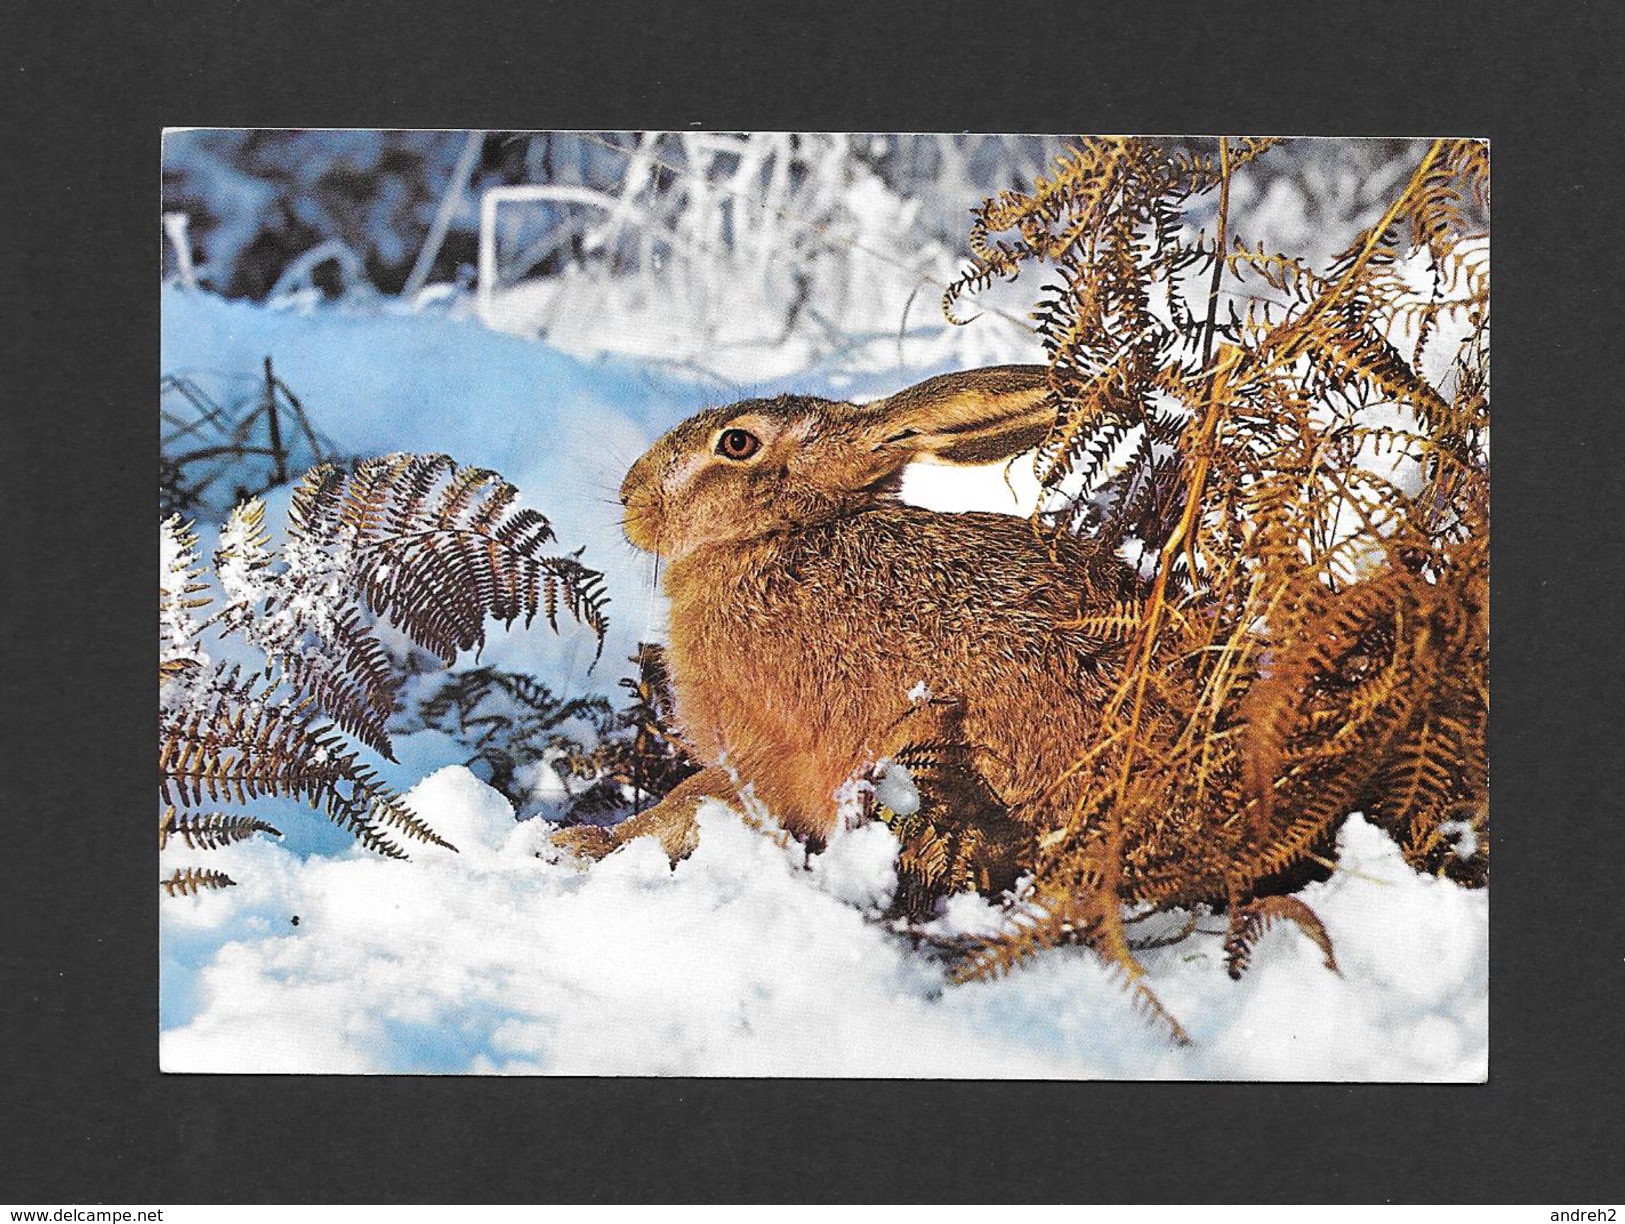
[{"x": 986, "y": 486}]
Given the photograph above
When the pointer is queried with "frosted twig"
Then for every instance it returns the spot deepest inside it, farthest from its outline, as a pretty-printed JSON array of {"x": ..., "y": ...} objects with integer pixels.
[
  {"x": 175, "y": 229},
  {"x": 449, "y": 200}
]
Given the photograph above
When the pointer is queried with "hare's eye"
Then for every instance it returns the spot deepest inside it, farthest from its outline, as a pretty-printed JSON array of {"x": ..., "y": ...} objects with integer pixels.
[{"x": 738, "y": 444}]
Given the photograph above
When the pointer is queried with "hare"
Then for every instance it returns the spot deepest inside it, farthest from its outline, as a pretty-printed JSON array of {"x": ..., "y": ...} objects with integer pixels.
[{"x": 819, "y": 624}]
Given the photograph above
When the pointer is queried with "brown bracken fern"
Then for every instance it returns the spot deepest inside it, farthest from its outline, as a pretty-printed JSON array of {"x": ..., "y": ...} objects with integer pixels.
[
  {"x": 608, "y": 760},
  {"x": 433, "y": 548},
  {"x": 639, "y": 754},
  {"x": 1297, "y": 459},
  {"x": 184, "y": 881}
]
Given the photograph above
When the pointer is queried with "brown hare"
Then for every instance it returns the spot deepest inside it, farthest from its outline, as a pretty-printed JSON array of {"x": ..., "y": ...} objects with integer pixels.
[{"x": 819, "y": 624}]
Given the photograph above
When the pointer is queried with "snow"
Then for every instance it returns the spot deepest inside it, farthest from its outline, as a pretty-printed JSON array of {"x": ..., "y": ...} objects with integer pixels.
[
  {"x": 885, "y": 783},
  {"x": 751, "y": 958},
  {"x": 1463, "y": 838},
  {"x": 895, "y": 789}
]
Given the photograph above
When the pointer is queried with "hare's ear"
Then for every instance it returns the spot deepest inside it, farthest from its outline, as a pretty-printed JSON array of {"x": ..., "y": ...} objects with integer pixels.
[{"x": 974, "y": 417}]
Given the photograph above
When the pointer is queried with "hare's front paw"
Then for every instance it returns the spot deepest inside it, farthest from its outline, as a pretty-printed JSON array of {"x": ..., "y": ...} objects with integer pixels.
[
  {"x": 671, "y": 821},
  {"x": 585, "y": 841}
]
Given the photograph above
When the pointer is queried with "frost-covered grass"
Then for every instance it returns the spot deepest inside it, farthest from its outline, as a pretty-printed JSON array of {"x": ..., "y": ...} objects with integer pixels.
[{"x": 752, "y": 959}]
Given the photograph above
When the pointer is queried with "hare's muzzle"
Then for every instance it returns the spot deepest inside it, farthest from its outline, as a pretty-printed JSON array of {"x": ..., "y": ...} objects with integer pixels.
[
  {"x": 641, "y": 522},
  {"x": 641, "y": 516}
]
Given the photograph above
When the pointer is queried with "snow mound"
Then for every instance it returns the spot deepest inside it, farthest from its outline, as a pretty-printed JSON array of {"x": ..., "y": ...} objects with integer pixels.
[{"x": 753, "y": 958}]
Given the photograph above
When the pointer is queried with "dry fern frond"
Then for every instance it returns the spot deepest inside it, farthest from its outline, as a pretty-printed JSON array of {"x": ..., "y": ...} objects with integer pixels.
[
  {"x": 209, "y": 830},
  {"x": 1249, "y": 922},
  {"x": 185, "y": 881},
  {"x": 1040, "y": 923},
  {"x": 438, "y": 549},
  {"x": 647, "y": 757},
  {"x": 1310, "y": 511},
  {"x": 610, "y": 760},
  {"x": 432, "y": 546},
  {"x": 181, "y": 591},
  {"x": 230, "y": 743}
]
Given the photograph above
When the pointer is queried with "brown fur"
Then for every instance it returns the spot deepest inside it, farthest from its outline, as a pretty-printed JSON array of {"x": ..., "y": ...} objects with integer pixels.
[
  {"x": 670, "y": 821},
  {"x": 806, "y": 601}
]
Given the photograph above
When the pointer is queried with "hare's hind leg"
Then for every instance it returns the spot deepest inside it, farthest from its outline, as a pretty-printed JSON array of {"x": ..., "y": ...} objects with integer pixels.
[{"x": 671, "y": 821}]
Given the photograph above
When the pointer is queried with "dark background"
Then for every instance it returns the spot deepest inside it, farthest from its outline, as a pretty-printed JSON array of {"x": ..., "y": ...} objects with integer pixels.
[{"x": 86, "y": 1117}]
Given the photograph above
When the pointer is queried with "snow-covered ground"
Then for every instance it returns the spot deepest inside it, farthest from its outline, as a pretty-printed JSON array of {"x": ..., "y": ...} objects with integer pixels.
[
  {"x": 749, "y": 959},
  {"x": 746, "y": 959}
]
